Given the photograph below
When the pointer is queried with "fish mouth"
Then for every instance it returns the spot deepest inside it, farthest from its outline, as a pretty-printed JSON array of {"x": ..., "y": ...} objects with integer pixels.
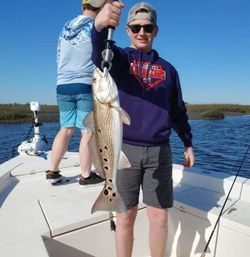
[
  {"x": 97, "y": 72},
  {"x": 100, "y": 73}
]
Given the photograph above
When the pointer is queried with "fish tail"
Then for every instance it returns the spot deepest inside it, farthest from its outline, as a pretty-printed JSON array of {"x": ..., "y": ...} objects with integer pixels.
[{"x": 109, "y": 202}]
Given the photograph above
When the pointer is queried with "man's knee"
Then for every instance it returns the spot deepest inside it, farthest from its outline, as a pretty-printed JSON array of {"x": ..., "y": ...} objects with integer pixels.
[
  {"x": 158, "y": 217},
  {"x": 68, "y": 131},
  {"x": 127, "y": 219}
]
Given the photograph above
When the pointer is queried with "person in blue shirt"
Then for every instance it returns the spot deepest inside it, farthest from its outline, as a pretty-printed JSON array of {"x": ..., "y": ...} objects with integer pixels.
[
  {"x": 74, "y": 91},
  {"x": 150, "y": 92}
]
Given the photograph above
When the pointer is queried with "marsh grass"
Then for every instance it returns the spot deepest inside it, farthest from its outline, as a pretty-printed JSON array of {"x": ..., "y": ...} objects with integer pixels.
[
  {"x": 215, "y": 111},
  {"x": 226, "y": 108},
  {"x": 20, "y": 113}
]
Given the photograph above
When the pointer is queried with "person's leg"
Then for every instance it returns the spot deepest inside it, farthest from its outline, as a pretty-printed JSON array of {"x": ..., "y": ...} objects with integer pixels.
[
  {"x": 59, "y": 147},
  {"x": 124, "y": 234},
  {"x": 158, "y": 225},
  {"x": 67, "y": 114},
  {"x": 158, "y": 195},
  {"x": 87, "y": 177},
  {"x": 85, "y": 158},
  {"x": 128, "y": 185},
  {"x": 84, "y": 107}
]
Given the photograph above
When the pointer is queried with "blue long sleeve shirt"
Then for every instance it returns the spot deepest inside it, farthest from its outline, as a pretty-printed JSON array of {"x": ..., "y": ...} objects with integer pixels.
[
  {"x": 150, "y": 92},
  {"x": 74, "y": 64}
]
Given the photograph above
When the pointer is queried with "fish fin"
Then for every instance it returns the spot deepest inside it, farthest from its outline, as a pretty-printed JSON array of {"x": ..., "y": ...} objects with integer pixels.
[
  {"x": 123, "y": 163},
  {"x": 124, "y": 115},
  {"x": 89, "y": 120},
  {"x": 95, "y": 158},
  {"x": 109, "y": 203}
]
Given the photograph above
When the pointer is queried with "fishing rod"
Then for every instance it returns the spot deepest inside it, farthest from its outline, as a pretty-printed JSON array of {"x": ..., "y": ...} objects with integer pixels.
[{"x": 224, "y": 204}]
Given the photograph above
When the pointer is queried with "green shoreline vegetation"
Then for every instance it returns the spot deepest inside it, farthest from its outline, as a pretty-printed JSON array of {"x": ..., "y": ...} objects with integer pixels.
[{"x": 20, "y": 113}]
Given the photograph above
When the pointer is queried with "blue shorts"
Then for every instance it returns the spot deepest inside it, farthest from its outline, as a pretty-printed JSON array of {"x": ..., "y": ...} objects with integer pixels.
[{"x": 75, "y": 102}]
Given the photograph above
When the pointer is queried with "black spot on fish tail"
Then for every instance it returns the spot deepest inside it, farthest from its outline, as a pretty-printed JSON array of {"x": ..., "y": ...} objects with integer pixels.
[{"x": 107, "y": 202}]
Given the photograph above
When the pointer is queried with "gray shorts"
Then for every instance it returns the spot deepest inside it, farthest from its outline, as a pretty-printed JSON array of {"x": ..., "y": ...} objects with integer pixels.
[{"x": 151, "y": 168}]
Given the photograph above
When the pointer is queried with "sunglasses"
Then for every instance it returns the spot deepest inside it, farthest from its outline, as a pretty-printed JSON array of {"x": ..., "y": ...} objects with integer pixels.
[{"x": 148, "y": 28}]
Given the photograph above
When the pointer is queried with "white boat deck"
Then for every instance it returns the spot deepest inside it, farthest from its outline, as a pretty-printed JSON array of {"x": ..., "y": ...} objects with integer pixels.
[{"x": 41, "y": 220}]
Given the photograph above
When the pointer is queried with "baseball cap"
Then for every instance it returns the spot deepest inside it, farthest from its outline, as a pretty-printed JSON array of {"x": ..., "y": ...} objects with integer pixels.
[
  {"x": 149, "y": 14},
  {"x": 94, "y": 3}
]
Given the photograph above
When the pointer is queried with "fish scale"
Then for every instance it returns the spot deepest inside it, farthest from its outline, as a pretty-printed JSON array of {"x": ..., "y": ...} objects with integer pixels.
[{"x": 104, "y": 137}]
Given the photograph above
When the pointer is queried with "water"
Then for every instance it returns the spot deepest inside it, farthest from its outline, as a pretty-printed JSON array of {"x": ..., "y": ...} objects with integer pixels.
[{"x": 219, "y": 145}]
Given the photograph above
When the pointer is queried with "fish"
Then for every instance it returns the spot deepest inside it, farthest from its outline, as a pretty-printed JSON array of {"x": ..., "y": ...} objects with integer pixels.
[{"x": 106, "y": 121}]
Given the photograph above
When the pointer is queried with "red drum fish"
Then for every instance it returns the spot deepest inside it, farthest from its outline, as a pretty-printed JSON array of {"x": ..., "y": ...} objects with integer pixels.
[{"x": 107, "y": 120}]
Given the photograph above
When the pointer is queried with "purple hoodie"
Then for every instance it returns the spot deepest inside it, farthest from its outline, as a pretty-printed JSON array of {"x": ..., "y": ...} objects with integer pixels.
[{"x": 149, "y": 91}]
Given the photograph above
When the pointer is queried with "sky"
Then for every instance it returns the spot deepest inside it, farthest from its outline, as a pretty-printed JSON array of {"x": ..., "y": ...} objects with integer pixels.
[{"x": 208, "y": 42}]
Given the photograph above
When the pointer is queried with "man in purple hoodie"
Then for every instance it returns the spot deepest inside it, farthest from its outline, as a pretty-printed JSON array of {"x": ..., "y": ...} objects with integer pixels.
[{"x": 150, "y": 92}]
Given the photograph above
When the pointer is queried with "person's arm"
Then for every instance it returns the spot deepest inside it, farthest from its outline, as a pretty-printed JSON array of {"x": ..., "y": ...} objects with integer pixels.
[
  {"x": 180, "y": 122},
  {"x": 108, "y": 16},
  {"x": 99, "y": 36}
]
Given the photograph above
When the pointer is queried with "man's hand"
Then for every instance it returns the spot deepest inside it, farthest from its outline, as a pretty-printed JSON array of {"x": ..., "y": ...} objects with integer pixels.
[
  {"x": 188, "y": 157},
  {"x": 109, "y": 15}
]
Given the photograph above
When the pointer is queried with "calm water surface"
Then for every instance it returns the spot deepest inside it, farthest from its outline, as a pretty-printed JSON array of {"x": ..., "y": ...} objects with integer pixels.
[{"x": 219, "y": 145}]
